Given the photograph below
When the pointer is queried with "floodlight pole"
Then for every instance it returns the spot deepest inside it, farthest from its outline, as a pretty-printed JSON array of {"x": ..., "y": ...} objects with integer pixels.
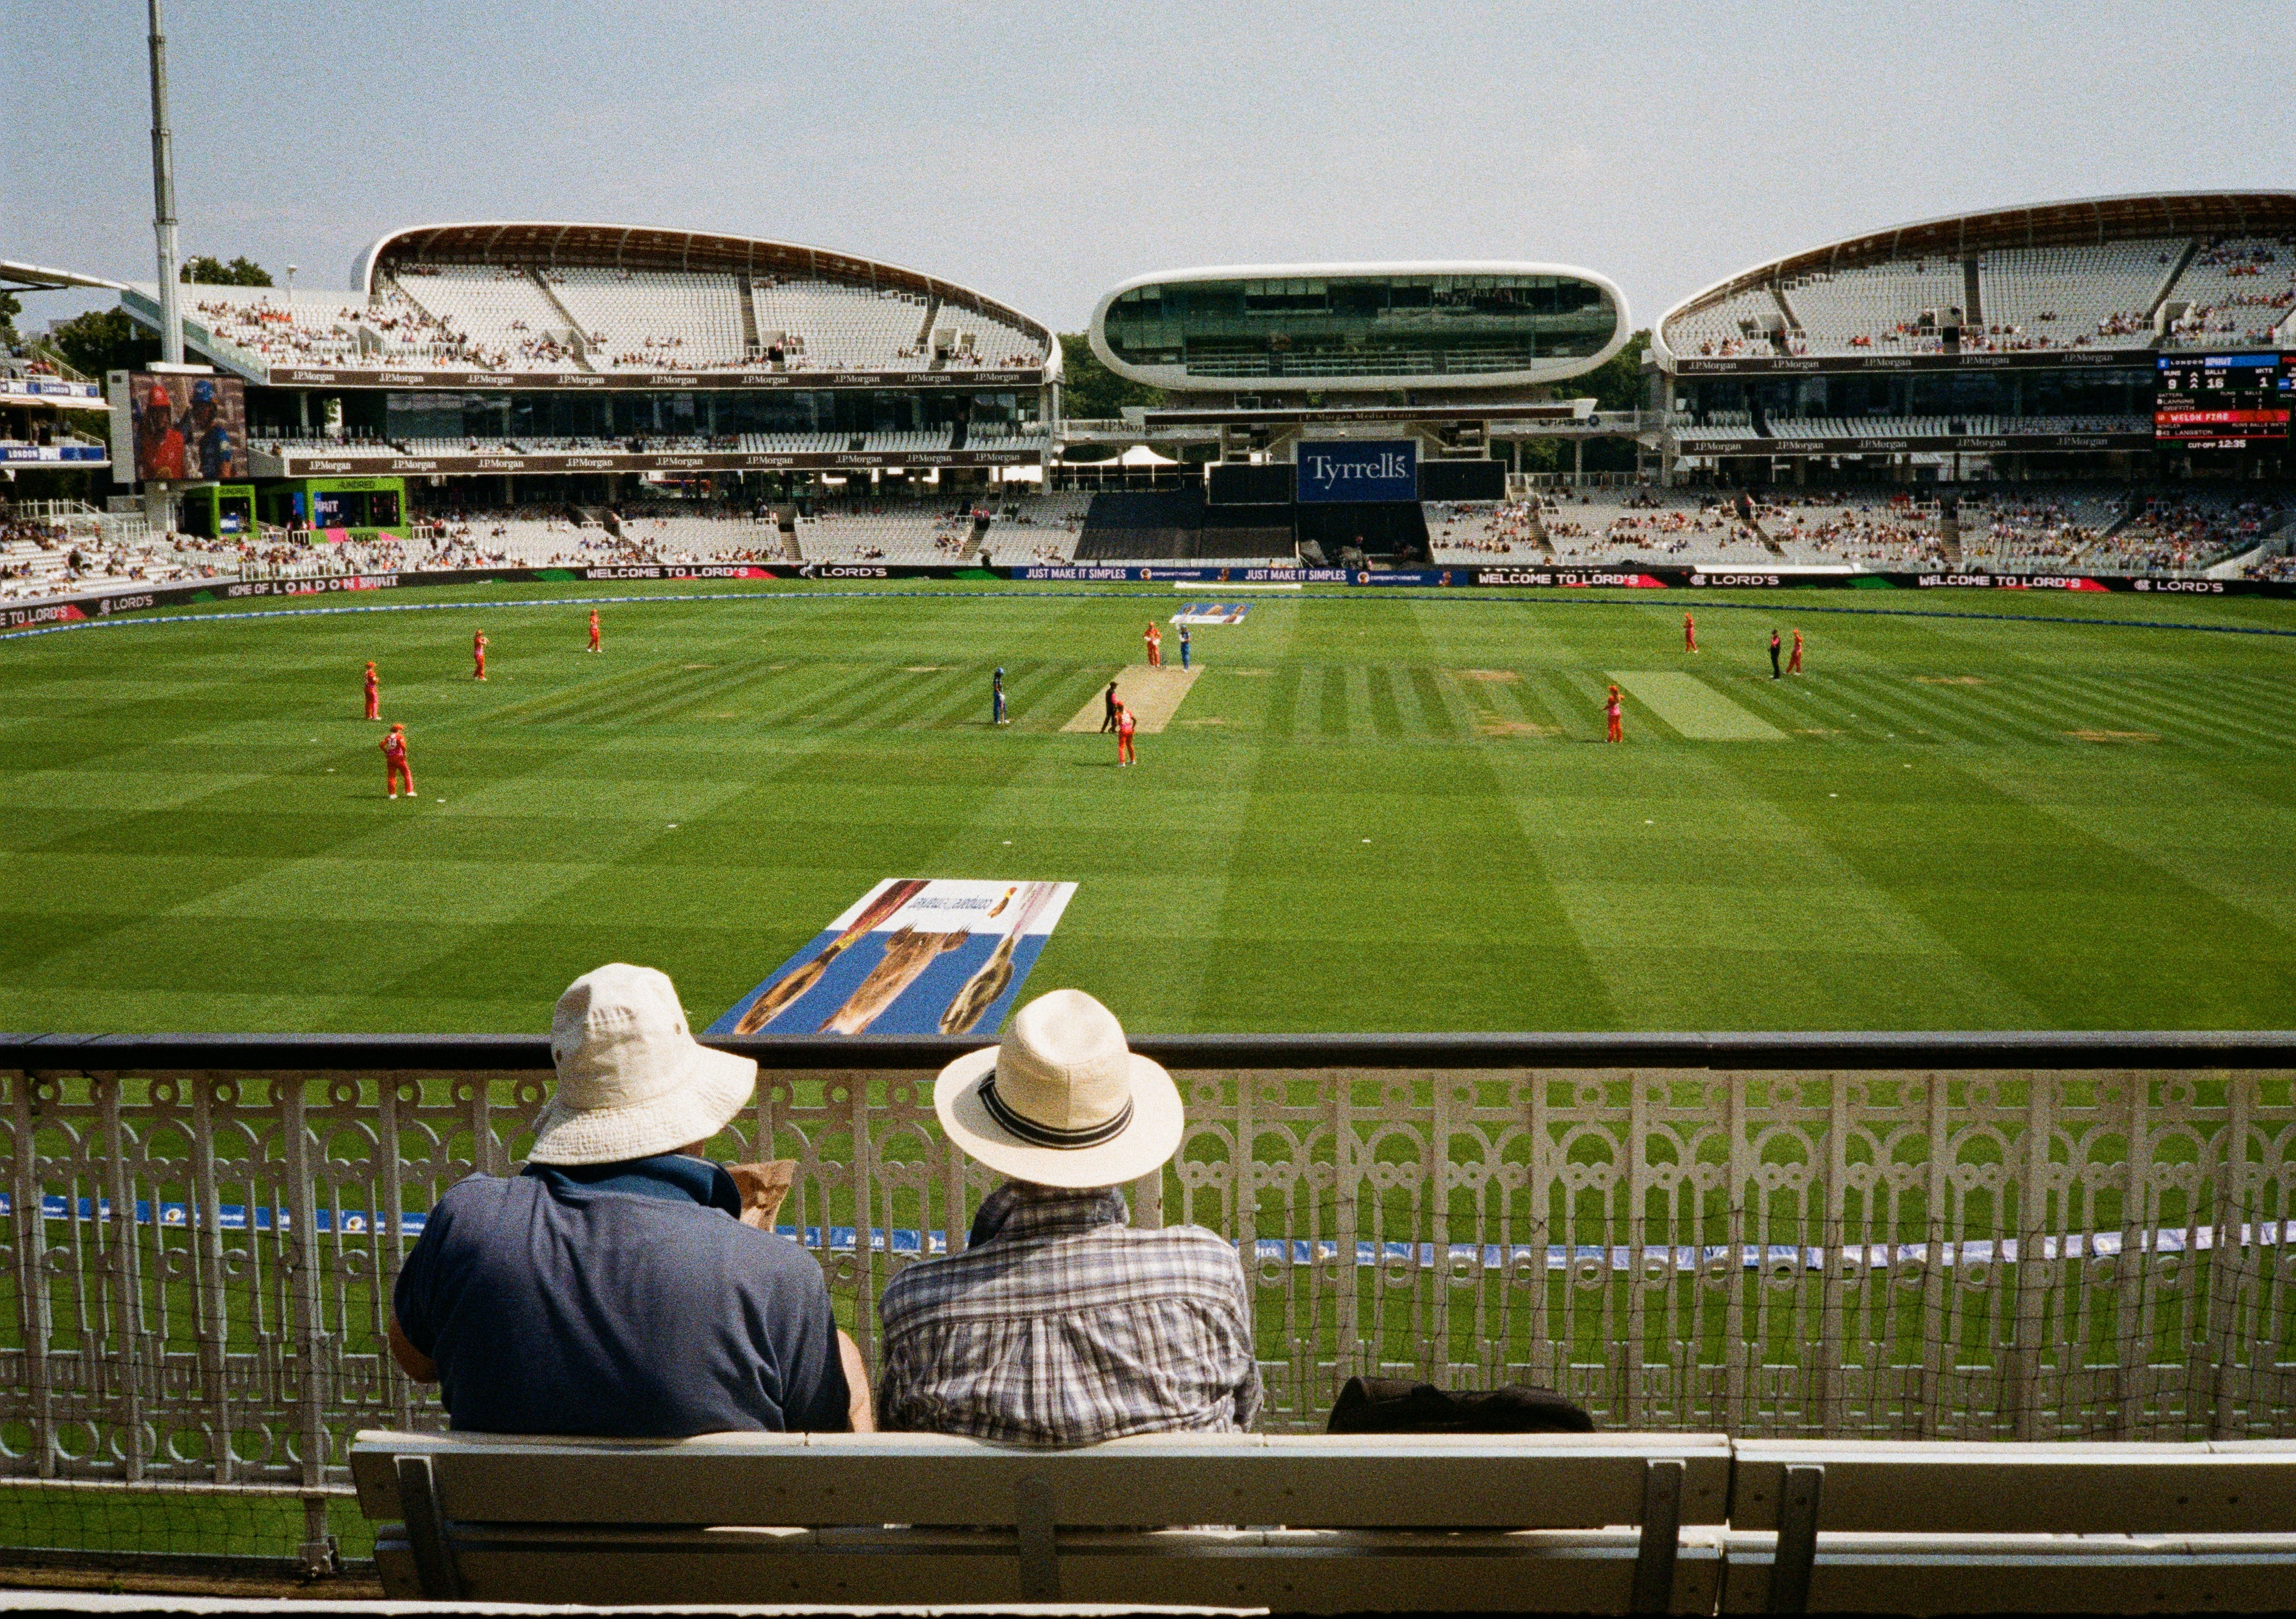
[{"x": 163, "y": 198}]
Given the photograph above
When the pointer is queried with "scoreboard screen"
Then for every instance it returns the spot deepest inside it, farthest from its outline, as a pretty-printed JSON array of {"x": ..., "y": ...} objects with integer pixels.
[{"x": 2223, "y": 401}]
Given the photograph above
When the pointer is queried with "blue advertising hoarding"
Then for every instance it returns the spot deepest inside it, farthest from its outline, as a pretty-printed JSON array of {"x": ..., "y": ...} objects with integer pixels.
[{"x": 1366, "y": 469}]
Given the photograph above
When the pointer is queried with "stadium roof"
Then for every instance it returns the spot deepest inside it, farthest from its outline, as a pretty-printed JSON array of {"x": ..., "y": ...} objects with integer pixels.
[
  {"x": 15, "y": 277},
  {"x": 2085, "y": 221},
  {"x": 637, "y": 247}
]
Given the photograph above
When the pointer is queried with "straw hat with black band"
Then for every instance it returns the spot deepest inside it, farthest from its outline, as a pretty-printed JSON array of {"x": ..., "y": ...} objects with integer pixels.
[{"x": 1061, "y": 1101}]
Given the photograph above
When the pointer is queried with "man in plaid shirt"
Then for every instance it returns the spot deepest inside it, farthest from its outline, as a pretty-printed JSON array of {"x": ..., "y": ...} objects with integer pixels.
[{"x": 1060, "y": 1323}]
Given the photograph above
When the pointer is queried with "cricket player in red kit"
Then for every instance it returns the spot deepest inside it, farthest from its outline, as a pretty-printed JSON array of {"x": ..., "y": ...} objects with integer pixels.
[
  {"x": 394, "y": 761},
  {"x": 1793, "y": 663},
  {"x": 479, "y": 655},
  {"x": 1124, "y": 725},
  {"x": 373, "y": 693},
  {"x": 593, "y": 630},
  {"x": 1614, "y": 714},
  {"x": 1689, "y": 633},
  {"x": 1155, "y": 640}
]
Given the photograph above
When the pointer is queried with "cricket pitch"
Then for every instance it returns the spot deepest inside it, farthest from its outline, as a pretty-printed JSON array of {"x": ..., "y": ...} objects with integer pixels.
[{"x": 1152, "y": 695}]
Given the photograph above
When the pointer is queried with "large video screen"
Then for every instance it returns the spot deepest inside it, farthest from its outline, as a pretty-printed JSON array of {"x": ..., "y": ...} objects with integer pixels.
[
  {"x": 2223, "y": 401},
  {"x": 189, "y": 429}
]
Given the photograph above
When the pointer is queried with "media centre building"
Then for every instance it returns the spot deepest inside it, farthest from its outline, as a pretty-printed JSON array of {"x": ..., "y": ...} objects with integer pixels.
[{"x": 1445, "y": 360}]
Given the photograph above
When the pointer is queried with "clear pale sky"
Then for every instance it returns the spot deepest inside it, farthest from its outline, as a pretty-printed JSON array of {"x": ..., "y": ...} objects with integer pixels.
[{"x": 1042, "y": 152}]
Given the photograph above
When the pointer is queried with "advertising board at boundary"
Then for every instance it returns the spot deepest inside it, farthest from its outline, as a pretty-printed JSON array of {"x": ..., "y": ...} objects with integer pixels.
[{"x": 103, "y": 604}]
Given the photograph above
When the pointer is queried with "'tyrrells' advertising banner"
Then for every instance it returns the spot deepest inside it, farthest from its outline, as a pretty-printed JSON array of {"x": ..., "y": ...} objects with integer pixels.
[
  {"x": 1364, "y": 469},
  {"x": 913, "y": 955}
]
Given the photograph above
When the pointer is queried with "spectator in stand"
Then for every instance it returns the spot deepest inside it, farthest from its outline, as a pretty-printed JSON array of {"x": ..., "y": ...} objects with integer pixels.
[
  {"x": 612, "y": 1287},
  {"x": 1062, "y": 1324}
]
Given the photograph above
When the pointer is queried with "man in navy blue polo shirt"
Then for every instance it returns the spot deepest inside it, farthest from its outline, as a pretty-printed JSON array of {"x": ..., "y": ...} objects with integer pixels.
[{"x": 611, "y": 1289}]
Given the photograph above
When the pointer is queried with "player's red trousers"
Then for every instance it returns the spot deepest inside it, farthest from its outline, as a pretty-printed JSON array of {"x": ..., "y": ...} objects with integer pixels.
[
  {"x": 480, "y": 673},
  {"x": 393, "y": 769},
  {"x": 374, "y": 706},
  {"x": 1123, "y": 755},
  {"x": 1616, "y": 736}
]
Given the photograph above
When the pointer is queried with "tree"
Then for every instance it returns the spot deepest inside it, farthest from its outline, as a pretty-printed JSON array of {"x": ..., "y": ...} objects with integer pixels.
[
  {"x": 102, "y": 340},
  {"x": 11, "y": 306},
  {"x": 208, "y": 270},
  {"x": 1618, "y": 383},
  {"x": 1090, "y": 389}
]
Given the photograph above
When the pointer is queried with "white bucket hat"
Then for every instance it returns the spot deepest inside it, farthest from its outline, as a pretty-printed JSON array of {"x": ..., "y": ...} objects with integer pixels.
[
  {"x": 632, "y": 1080},
  {"x": 1062, "y": 1101}
]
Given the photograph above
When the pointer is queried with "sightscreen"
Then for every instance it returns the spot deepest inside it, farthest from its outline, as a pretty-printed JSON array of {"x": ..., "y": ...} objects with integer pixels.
[
  {"x": 1237, "y": 483},
  {"x": 1462, "y": 481},
  {"x": 189, "y": 429},
  {"x": 2223, "y": 401}
]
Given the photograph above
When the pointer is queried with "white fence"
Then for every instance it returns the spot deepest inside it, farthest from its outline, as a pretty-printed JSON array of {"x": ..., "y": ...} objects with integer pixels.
[{"x": 1974, "y": 1254}]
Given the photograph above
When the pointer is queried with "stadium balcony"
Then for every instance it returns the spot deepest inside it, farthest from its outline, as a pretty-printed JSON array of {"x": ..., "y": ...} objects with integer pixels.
[{"x": 1771, "y": 1352}]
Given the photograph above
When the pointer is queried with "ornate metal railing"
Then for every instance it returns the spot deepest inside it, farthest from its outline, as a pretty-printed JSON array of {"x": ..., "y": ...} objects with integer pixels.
[{"x": 1956, "y": 1237}]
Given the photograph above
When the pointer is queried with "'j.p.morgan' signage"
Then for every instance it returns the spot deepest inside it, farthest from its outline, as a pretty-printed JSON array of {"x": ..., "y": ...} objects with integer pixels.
[
  {"x": 1377, "y": 469},
  {"x": 293, "y": 464},
  {"x": 302, "y": 376},
  {"x": 2024, "y": 359}
]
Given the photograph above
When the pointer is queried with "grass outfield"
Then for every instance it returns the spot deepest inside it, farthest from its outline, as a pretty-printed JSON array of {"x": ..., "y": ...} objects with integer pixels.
[{"x": 1371, "y": 812}]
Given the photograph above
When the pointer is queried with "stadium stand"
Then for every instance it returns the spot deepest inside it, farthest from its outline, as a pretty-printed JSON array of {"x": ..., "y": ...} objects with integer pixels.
[
  {"x": 2183, "y": 533},
  {"x": 1600, "y": 526},
  {"x": 652, "y": 319},
  {"x": 1469, "y": 531},
  {"x": 2025, "y": 531},
  {"x": 1736, "y": 325},
  {"x": 1898, "y": 307},
  {"x": 269, "y": 326},
  {"x": 873, "y": 531},
  {"x": 1738, "y": 425},
  {"x": 2069, "y": 296},
  {"x": 825, "y": 326},
  {"x": 1035, "y": 528},
  {"x": 2103, "y": 273},
  {"x": 503, "y": 315},
  {"x": 1862, "y": 529},
  {"x": 2237, "y": 291}
]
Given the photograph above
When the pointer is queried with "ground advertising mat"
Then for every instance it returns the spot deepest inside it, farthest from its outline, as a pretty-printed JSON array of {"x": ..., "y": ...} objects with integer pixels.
[
  {"x": 24, "y": 615},
  {"x": 913, "y": 955}
]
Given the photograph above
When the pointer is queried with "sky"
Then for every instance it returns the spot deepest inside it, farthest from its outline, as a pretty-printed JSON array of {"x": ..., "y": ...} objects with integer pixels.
[{"x": 1041, "y": 154}]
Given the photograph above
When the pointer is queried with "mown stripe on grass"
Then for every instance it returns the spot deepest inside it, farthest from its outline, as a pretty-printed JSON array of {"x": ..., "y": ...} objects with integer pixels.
[
  {"x": 1283, "y": 714},
  {"x": 1378, "y": 700},
  {"x": 1947, "y": 718},
  {"x": 2231, "y": 724},
  {"x": 1435, "y": 716},
  {"x": 1332, "y": 710}
]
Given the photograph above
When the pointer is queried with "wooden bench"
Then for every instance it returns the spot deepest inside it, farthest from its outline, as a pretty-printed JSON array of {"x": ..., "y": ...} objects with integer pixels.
[
  {"x": 1942, "y": 1526},
  {"x": 1606, "y": 1523},
  {"x": 1588, "y": 1523}
]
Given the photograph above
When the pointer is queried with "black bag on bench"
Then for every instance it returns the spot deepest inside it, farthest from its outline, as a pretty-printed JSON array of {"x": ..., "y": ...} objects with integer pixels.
[{"x": 1391, "y": 1405}]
